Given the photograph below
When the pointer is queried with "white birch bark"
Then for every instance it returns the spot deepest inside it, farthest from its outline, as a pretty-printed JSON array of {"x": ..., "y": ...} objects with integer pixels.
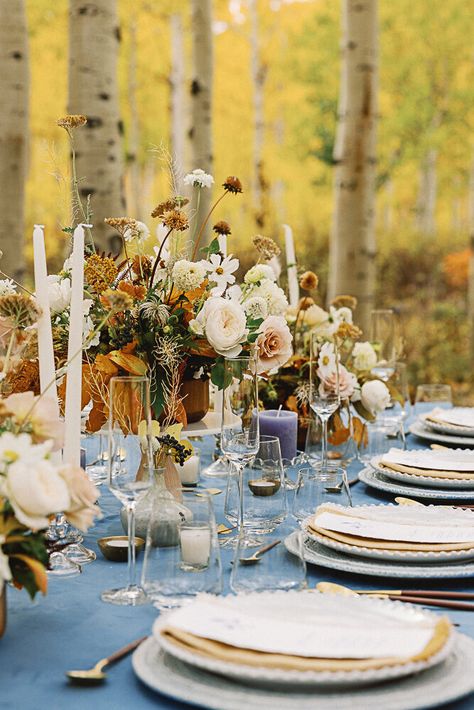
[
  {"x": 352, "y": 248},
  {"x": 426, "y": 203},
  {"x": 259, "y": 73},
  {"x": 177, "y": 75},
  {"x": 201, "y": 98},
  {"x": 93, "y": 91},
  {"x": 14, "y": 88}
]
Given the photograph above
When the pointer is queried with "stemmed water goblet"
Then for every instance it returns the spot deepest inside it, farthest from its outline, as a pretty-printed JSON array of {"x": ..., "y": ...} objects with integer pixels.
[
  {"x": 324, "y": 394},
  {"x": 129, "y": 465},
  {"x": 240, "y": 432},
  {"x": 383, "y": 338}
]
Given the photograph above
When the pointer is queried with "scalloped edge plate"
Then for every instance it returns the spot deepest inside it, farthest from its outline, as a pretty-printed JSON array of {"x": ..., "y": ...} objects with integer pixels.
[
  {"x": 447, "y": 428},
  {"x": 419, "y": 429},
  {"x": 375, "y": 479},
  {"x": 420, "y": 480}
]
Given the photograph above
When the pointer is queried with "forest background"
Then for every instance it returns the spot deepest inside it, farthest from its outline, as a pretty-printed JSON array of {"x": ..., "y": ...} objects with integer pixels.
[{"x": 425, "y": 147}]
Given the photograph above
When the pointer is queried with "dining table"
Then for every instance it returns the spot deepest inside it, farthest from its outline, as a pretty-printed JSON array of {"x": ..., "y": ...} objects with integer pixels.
[{"x": 71, "y": 628}]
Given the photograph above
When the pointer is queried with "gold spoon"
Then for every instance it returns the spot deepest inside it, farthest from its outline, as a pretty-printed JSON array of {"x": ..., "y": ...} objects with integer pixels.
[
  {"x": 253, "y": 559},
  {"x": 96, "y": 674},
  {"x": 407, "y": 501},
  {"x": 333, "y": 588}
]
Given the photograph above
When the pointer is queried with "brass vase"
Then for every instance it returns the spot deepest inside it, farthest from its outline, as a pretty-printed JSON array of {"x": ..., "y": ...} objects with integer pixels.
[{"x": 195, "y": 395}]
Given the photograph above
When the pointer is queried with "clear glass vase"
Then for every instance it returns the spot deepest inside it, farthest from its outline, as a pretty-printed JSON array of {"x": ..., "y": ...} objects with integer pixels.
[{"x": 342, "y": 444}]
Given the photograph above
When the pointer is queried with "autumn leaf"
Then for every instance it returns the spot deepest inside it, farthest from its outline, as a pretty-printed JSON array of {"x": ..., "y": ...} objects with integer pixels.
[
  {"x": 130, "y": 363},
  {"x": 38, "y": 570}
]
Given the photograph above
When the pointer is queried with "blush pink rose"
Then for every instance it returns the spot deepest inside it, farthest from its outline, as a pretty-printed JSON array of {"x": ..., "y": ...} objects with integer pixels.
[
  {"x": 273, "y": 344},
  {"x": 82, "y": 509},
  {"x": 328, "y": 383},
  {"x": 41, "y": 413}
]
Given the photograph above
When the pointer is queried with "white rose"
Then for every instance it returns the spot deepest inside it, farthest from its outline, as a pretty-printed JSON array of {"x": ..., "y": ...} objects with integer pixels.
[
  {"x": 5, "y": 573},
  {"x": 259, "y": 272},
  {"x": 59, "y": 293},
  {"x": 315, "y": 315},
  {"x": 35, "y": 492},
  {"x": 364, "y": 356},
  {"x": 375, "y": 396},
  {"x": 224, "y": 324}
]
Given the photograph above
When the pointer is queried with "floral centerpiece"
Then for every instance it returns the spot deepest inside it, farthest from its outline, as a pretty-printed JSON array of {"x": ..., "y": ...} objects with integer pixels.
[
  {"x": 339, "y": 338},
  {"x": 169, "y": 307}
]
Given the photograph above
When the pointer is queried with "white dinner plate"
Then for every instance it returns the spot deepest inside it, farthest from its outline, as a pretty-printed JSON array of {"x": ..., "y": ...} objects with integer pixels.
[
  {"x": 419, "y": 480},
  {"x": 378, "y": 480},
  {"x": 392, "y": 555},
  {"x": 448, "y": 681},
  {"x": 419, "y": 428},
  {"x": 323, "y": 556},
  {"x": 336, "y": 679}
]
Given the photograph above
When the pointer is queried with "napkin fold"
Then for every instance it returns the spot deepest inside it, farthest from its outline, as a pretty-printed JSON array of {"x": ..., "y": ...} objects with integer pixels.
[
  {"x": 316, "y": 632},
  {"x": 460, "y": 417}
]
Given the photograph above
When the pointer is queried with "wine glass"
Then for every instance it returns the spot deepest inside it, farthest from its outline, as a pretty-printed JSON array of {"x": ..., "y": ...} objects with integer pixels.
[
  {"x": 430, "y": 396},
  {"x": 240, "y": 432},
  {"x": 324, "y": 395},
  {"x": 129, "y": 465},
  {"x": 383, "y": 338},
  {"x": 316, "y": 486},
  {"x": 264, "y": 491}
]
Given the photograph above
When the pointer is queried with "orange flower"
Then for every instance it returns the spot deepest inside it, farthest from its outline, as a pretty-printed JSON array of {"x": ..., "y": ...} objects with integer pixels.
[{"x": 136, "y": 292}]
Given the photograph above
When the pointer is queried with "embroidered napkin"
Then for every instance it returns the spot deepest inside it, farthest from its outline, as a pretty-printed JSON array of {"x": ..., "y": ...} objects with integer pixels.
[
  {"x": 391, "y": 527},
  {"x": 456, "y": 464},
  {"x": 457, "y": 416},
  {"x": 313, "y": 632}
]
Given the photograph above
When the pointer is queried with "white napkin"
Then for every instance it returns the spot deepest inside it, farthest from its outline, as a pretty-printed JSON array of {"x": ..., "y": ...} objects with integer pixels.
[
  {"x": 438, "y": 460},
  {"x": 460, "y": 416},
  {"x": 398, "y": 523},
  {"x": 313, "y": 625}
]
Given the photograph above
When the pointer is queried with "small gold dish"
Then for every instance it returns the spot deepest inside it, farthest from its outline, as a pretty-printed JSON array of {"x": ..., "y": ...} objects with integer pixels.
[
  {"x": 115, "y": 548},
  {"x": 264, "y": 487}
]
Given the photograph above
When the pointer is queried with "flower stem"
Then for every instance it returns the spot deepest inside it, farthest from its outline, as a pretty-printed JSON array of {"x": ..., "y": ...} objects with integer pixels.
[
  {"x": 204, "y": 224},
  {"x": 157, "y": 260},
  {"x": 75, "y": 188}
]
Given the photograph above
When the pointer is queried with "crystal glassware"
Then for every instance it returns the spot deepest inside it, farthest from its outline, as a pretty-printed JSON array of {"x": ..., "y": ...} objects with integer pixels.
[
  {"x": 383, "y": 339},
  {"x": 401, "y": 405},
  {"x": 276, "y": 568},
  {"x": 316, "y": 486},
  {"x": 182, "y": 556},
  {"x": 324, "y": 400},
  {"x": 240, "y": 432},
  {"x": 130, "y": 465},
  {"x": 430, "y": 396},
  {"x": 381, "y": 435},
  {"x": 264, "y": 491}
]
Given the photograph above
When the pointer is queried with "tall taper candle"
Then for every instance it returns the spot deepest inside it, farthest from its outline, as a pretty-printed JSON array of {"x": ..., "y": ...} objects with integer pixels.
[
  {"x": 72, "y": 416},
  {"x": 292, "y": 270},
  {"x": 222, "y": 238},
  {"x": 47, "y": 370}
]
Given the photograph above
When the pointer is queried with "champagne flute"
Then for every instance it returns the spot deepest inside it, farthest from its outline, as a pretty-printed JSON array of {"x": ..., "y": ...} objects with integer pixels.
[
  {"x": 240, "y": 433},
  {"x": 383, "y": 338},
  {"x": 129, "y": 465},
  {"x": 324, "y": 397}
]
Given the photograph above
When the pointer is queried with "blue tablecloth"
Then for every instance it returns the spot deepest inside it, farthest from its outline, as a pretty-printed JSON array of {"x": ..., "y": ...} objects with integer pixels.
[{"x": 72, "y": 628}]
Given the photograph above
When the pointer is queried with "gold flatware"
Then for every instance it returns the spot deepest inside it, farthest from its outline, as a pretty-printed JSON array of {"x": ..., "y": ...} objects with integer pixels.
[
  {"x": 444, "y": 600},
  {"x": 407, "y": 501},
  {"x": 439, "y": 447},
  {"x": 223, "y": 529},
  {"x": 253, "y": 559},
  {"x": 96, "y": 675}
]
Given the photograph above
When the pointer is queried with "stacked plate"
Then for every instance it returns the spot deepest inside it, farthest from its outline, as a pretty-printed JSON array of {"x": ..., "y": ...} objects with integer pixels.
[
  {"x": 432, "y": 542},
  {"x": 443, "y": 473},
  {"x": 446, "y": 426},
  {"x": 305, "y": 650}
]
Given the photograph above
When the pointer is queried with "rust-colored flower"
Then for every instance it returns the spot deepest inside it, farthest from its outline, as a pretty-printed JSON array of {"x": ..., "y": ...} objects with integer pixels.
[
  {"x": 116, "y": 301},
  {"x": 175, "y": 219},
  {"x": 142, "y": 266},
  {"x": 344, "y": 302},
  {"x": 100, "y": 272},
  {"x": 266, "y": 247},
  {"x": 305, "y": 303},
  {"x": 163, "y": 207},
  {"x": 137, "y": 292},
  {"x": 71, "y": 121},
  {"x": 221, "y": 227},
  {"x": 309, "y": 281},
  {"x": 25, "y": 378},
  {"x": 233, "y": 185},
  {"x": 348, "y": 331}
]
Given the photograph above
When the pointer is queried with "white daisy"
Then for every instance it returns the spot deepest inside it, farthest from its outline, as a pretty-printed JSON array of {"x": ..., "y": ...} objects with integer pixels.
[
  {"x": 327, "y": 360},
  {"x": 220, "y": 272}
]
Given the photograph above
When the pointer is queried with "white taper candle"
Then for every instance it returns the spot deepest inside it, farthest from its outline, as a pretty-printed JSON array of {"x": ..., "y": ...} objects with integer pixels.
[
  {"x": 47, "y": 370},
  {"x": 292, "y": 270},
  {"x": 72, "y": 416}
]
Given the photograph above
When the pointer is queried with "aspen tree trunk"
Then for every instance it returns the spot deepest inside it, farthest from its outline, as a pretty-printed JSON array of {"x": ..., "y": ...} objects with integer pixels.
[
  {"x": 177, "y": 99},
  {"x": 352, "y": 248},
  {"x": 134, "y": 206},
  {"x": 14, "y": 90},
  {"x": 201, "y": 98},
  {"x": 426, "y": 204},
  {"x": 259, "y": 73},
  {"x": 470, "y": 294},
  {"x": 94, "y": 42}
]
